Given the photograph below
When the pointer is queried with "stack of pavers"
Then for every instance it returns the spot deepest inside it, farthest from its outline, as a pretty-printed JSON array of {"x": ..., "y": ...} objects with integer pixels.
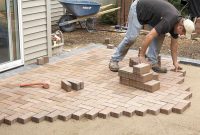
[
  {"x": 139, "y": 76},
  {"x": 72, "y": 84}
]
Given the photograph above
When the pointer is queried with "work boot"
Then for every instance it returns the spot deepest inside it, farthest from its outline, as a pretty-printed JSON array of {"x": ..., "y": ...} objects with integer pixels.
[
  {"x": 113, "y": 65},
  {"x": 158, "y": 69}
]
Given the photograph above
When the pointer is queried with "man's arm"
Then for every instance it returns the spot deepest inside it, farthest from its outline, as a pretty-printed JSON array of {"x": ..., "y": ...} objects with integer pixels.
[
  {"x": 174, "y": 49},
  {"x": 148, "y": 39}
]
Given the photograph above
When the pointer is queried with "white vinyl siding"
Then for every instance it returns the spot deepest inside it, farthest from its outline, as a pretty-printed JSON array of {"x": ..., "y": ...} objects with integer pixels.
[
  {"x": 34, "y": 18},
  {"x": 56, "y": 11}
]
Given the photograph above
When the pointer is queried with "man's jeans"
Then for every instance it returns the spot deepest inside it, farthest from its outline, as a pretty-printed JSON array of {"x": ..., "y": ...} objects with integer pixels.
[
  {"x": 132, "y": 32},
  {"x": 154, "y": 49}
]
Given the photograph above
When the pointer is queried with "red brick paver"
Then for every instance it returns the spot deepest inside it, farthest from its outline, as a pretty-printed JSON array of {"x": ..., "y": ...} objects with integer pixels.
[{"x": 103, "y": 95}]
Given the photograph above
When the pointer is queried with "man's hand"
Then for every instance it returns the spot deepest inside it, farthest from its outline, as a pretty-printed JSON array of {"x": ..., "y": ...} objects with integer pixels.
[
  {"x": 177, "y": 67},
  {"x": 174, "y": 48},
  {"x": 142, "y": 59}
]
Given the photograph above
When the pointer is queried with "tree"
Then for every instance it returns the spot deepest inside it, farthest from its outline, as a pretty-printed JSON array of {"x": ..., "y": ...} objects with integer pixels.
[{"x": 179, "y": 6}]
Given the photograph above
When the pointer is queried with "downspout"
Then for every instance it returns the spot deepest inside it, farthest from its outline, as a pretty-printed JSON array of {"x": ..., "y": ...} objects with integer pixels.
[{"x": 49, "y": 43}]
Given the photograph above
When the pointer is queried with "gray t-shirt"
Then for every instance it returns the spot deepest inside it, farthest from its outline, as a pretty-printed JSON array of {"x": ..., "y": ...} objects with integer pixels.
[{"x": 159, "y": 14}]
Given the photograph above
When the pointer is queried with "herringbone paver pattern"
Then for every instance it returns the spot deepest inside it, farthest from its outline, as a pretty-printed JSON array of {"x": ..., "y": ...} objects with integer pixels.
[{"x": 103, "y": 96}]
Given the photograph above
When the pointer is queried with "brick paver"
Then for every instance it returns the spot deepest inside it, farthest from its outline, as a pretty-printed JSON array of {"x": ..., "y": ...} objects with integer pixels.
[{"x": 103, "y": 96}]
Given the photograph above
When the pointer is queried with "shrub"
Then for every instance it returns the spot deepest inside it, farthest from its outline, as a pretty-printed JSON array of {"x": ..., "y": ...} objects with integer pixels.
[{"x": 109, "y": 18}]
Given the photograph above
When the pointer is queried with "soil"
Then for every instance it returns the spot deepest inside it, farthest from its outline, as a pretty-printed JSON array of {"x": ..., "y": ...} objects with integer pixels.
[{"x": 80, "y": 37}]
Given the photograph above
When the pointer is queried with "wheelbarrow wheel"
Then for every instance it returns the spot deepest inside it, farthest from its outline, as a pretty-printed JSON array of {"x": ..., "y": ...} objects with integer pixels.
[{"x": 68, "y": 27}]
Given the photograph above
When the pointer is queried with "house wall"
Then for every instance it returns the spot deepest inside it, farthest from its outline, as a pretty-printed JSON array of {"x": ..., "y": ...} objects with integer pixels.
[
  {"x": 57, "y": 10},
  {"x": 36, "y": 29}
]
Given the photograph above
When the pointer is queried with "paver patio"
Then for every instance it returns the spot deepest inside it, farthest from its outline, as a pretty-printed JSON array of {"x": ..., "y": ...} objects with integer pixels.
[{"x": 102, "y": 96}]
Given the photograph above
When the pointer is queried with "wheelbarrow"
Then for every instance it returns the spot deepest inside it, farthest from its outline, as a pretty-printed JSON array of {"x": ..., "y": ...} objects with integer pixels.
[{"x": 83, "y": 12}]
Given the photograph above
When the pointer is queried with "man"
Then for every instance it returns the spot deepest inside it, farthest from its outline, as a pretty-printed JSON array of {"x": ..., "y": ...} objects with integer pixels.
[{"x": 164, "y": 18}]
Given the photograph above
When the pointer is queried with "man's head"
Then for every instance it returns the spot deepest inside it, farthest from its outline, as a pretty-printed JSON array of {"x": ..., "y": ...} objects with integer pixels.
[{"x": 185, "y": 27}]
